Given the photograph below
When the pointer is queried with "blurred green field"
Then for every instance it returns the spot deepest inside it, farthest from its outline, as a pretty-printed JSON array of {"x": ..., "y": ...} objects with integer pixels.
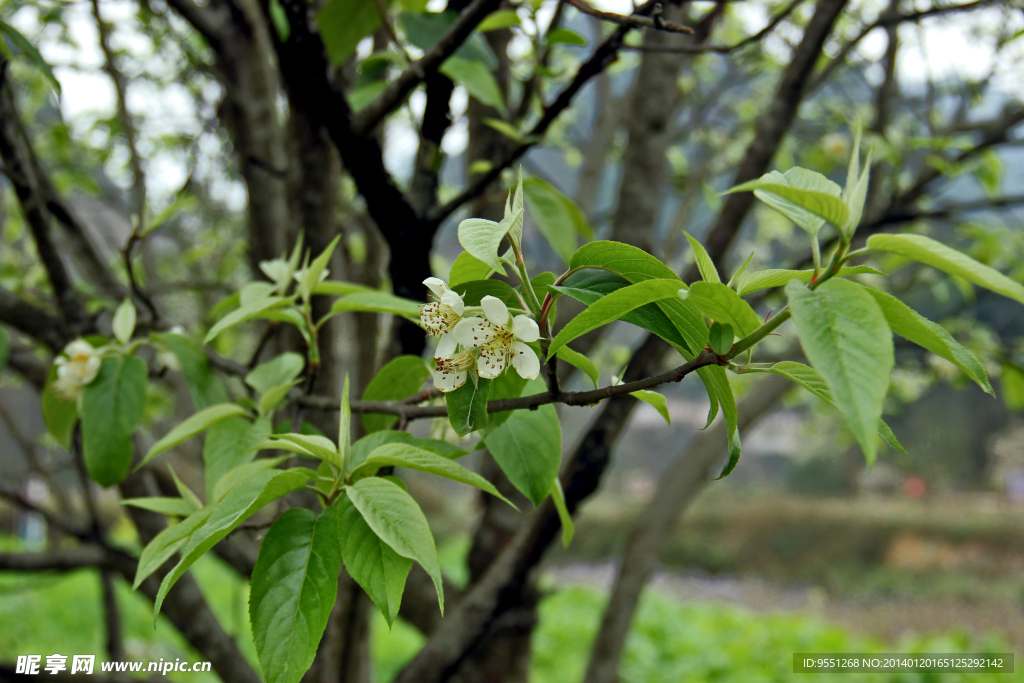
[{"x": 672, "y": 641}]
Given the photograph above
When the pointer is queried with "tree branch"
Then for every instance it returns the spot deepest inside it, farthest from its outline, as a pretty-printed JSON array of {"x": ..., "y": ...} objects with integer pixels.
[
  {"x": 630, "y": 21},
  {"x": 36, "y": 322}
]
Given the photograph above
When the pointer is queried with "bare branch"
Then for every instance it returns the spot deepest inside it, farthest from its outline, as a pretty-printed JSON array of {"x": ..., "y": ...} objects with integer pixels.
[
  {"x": 36, "y": 322},
  {"x": 631, "y": 21},
  {"x": 58, "y": 559}
]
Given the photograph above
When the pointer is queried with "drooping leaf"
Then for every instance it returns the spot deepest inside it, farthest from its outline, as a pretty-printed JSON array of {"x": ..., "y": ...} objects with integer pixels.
[
  {"x": 468, "y": 268},
  {"x": 845, "y": 336},
  {"x": 721, "y": 304},
  {"x": 411, "y": 457},
  {"x": 245, "y": 313},
  {"x": 229, "y": 445},
  {"x": 558, "y": 218},
  {"x": 655, "y": 400},
  {"x": 613, "y": 306},
  {"x": 362, "y": 448},
  {"x": 578, "y": 360},
  {"x": 397, "y": 520},
  {"x": 467, "y": 406},
  {"x": 164, "y": 505},
  {"x": 705, "y": 265},
  {"x": 192, "y": 426},
  {"x": 371, "y": 562},
  {"x": 30, "y": 51},
  {"x": 59, "y": 415},
  {"x": 166, "y": 543},
  {"x": 112, "y": 406},
  {"x": 378, "y": 302},
  {"x": 800, "y": 179},
  {"x": 237, "y": 506},
  {"x": 477, "y": 79},
  {"x": 723, "y": 392},
  {"x": 948, "y": 260},
  {"x": 279, "y": 370},
  {"x": 293, "y": 589},
  {"x": 204, "y": 387},
  {"x": 400, "y": 378},
  {"x": 766, "y": 279},
  {"x": 568, "y": 528},
  {"x": 528, "y": 448},
  {"x": 914, "y": 327}
]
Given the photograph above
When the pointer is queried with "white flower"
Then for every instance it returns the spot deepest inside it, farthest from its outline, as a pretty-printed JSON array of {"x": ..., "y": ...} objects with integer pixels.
[
  {"x": 500, "y": 340},
  {"x": 440, "y": 317},
  {"x": 450, "y": 373},
  {"x": 76, "y": 367}
]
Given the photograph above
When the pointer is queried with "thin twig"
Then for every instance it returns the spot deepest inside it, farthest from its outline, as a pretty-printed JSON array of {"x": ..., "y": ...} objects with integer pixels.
[{"x": 632, "y": 20}]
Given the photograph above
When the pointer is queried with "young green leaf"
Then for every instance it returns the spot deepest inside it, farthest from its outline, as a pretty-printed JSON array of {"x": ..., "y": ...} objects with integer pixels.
[
  {"x": 720, "y": 338},
  {"x": 481, "y": 238},
  {"x": 800, "y": 179},
  {"x": 362, "y": 448},
  {"x": 228, "y": 445},
  {"x": 282, "y": 369},
  {"x": 578, "y": 360},
  {"x": 565, "y": 36},
  {"x": 655, "y": 400},
  {"x": 178, "y": 507},
  {"x": 166, "y": 543},
  {"x": 293, "y": 589},
  {"x": 371, "y": 562},
  {"x": 528, "y": 448},
  {"x": 914, "y": 327},
  {"x": 378, "y": 302},
  {"x": 316, "y": 269},
  {"x": 503, "y": 18},
  {"x": 848, "y": 341},
  {"x": 948, "y": 260},
  {"x": 467, "y": 406},
  {"x": 766, "y": 279},
  {"x": 515, "y": 213},
  {"x": 614, "y": 306},
  {"x": 477, "y": 79},
  {"x": 185, "y": 492},
  {"x": 243, "y": 314},
  {"x": 399, "y": 379},
  {"x": 705, "y": 265},
  {"x": 124, "y": 321},
  {"x": 238, "y": 505},
  {"x": 344, "y": 426},
  {"x": 204, "y": 387},
  {"x": 568, "y": 528},
  {"x": 742, "y": 269},
  {"x": 468, "y": 268},
  {"x": 319, "y": 447},
  {"x": 270, "y": 400},
  {"x": 722, "y": 304},
  {"x": 822, "y": 204},
  {"x": 557, "y": 217},
  {"x": 411, "y": 457},
  {"x": 112, "y": 407},
  {"x": 194, "y": 425},
  {"x": 237, "y": 475},
  {"x": 723, "y": 393},
  {"x": 397, "y": 520}
]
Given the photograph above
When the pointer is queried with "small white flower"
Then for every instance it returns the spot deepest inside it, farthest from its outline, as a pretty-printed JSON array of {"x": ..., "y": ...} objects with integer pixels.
[
  {"x": 441, "y": 316},
  {"x": 76, "y": 367},
  {"x": 451, "y": 371},
  {"x": 501, "y": 340}
]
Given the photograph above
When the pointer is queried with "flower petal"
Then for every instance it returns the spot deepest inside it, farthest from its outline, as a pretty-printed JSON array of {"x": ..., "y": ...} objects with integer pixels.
[
  {"x": 495, "y": 310},
  {"x": 79, "y": 347},
  {"x": 525, "y": 361},
  {"x": 447, "y": 345},
  {"x": 449, "y": 381},
  {"x": 454, "y": 301},
  {"x": 525, "y": 328},
  {"x": 433, "y": 318},
  {"x": 474, "y": 332},
  {"x": 436, "y": 285},
  {"x": 491, "y": 362}
]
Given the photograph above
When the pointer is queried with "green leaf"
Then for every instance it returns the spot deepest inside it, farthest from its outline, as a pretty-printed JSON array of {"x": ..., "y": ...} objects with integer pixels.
[
  {"x": 1012, "y": 382},
  {"x": 282, "y": 369},
  {"x": 654, "y": 399},
  {"x": 742, "y": 269},
  {"x": 362, "y": 448},
  {"x": 311, "y": 278},
  {"x": 766, "y": 279},
  {"x": 279, "y": 19},
  {"x": 614, "y": 306},
  {"x": 404, "y": 455},
  {"x": 568, "y": 528},
  {"x": 578, "y": 360},
  {"x": 721, "y": 304},
  {"x": 845, "y": 336},
  {"x": 378, "y": 302},
  {"x": 343, "y": 23},
  {"x": 185, "y": 492},
  {"x": 270, "y": 400},
  {"x": 482, "y": 238},
  {"x": 467, "y": 268},
  {"x": 720, "y": 338},
  {"x": 506, "y": 129},
  {"x": 245, "y": 313},
  {"x": 705, "y": 265},
  {"x": 528, "y": 448},
  {"x": 399, "y": 379},
  {"x": 809, "y": 379},
  {"x": 59, "y": 415},
  {"x": 371, "y": 562},
  {"x": 293, "y": 589},
  {"x": 123, "y": 324},
  {"x": 503, "y": 18},
  {"x": 319, "y": 447},
  {"x": 204, "y": 387},
  {"x": 823, "y": 204},
  {"x": 474, "y": 291},
  {"x": 558, "y": 218},
  {"x": 178, "y": 507},
  {"x": 228, "y": 445},
  {"x": 29, "y": 50},
  {"x": 565, "y": 36},
  {"x": 477, "y": 79},
  {"x": 397, "y": 520},
  {"x": 423, "y": 29},
  {"x": 166, "y": 543},
  {"x": 344, "y": 426},
  {"x": 723, "y": 392},
  {"x": 914, "y": 327},
  {"x": 856, "y": 190},
  {"x": 505, "y": 385},
  {"x": 112, "y": 406},
  {"x": 467, "y": 406},
  {"x": 948, "y": 260},
  {"x": 237, "y": 475},
  {"x": 799, "y": 179},
  {"x": 339, "y": 287},
  {"x": 237, "y": 506},
  {"x": 193, "y": 426}
]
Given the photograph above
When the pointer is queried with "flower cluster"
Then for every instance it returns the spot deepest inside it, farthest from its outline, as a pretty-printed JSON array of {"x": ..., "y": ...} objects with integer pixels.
[
  {"x": 76, "y": 367},
  {"x": 486, "y": 344}
]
